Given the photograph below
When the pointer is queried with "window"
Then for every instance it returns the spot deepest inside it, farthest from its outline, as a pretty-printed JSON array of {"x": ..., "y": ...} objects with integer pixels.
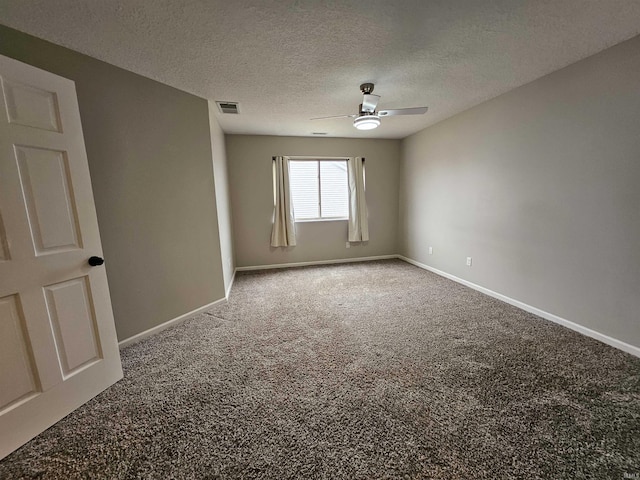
[{"x": 319, "y": 189}]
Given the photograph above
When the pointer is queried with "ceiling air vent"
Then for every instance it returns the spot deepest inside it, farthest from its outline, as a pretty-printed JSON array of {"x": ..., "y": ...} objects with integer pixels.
[{"x": 228, "y": 107}]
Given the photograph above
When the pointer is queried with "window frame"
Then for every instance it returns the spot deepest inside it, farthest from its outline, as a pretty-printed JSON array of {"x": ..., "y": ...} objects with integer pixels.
[{"x": 318, "y": 160}]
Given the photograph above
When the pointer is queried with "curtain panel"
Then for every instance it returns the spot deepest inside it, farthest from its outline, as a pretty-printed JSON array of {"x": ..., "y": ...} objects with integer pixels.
[
  {"x": 283, "y": 232},
  {"x": 358, "y": 222}
]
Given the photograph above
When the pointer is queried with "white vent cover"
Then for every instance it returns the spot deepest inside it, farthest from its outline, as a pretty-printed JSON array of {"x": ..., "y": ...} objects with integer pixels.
[{"x": 228, "y": 107}]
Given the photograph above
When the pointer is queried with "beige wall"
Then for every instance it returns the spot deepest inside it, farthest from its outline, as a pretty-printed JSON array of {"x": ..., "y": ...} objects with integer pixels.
[
  {"x": 251, "y": 183},
  {"x": 541, "y": 186},
  {"x": 223, "y": 200},
  {"x": 149, "y": 150}
]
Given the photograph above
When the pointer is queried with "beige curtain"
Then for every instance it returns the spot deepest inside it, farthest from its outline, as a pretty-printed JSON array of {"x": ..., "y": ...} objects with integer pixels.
[
  {"x": 283, "y": 233},
  {"x": 358, "y": 223}
]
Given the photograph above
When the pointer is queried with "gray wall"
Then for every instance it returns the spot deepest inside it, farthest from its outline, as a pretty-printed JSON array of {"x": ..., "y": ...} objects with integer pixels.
[
  {"x": 250, "y": 177},
  {"x": 223, "y": 200},
  {"x": 149, "y": 150},
  {"x": 541, "y": 186}
]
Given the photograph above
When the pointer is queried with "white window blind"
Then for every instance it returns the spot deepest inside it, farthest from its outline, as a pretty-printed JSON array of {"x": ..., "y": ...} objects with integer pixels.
[
  {"x": 305, "y": 189},
  {"x": 319, "y": 189}
]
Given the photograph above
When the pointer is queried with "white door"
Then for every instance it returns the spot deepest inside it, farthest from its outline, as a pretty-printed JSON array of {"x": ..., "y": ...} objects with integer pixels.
[{"x": 58, "y": 345}]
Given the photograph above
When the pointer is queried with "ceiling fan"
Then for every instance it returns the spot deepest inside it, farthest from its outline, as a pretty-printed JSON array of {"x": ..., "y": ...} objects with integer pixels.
[{"x": 367, "y": 117}]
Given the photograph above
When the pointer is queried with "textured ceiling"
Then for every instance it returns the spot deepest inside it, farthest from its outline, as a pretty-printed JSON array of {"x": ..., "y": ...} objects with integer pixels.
[{"x": 288, "y": 61}]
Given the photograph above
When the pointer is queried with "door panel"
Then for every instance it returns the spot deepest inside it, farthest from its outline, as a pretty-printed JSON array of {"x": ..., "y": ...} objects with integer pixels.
[
  {"x": 72, "y": 318},
  {"x": 44, "y": 176},
  {"x": 30, "y": 106},
  {"x": 17, "y": 377},
  {"x": 58, "y": 345}
]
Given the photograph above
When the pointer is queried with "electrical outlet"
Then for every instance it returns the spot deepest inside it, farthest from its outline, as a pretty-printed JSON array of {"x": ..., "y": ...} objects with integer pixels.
[
  {"x": 348, "y": 245},
  {"x": 468, "y": 261},
  {"x": 430, "y": 250}
]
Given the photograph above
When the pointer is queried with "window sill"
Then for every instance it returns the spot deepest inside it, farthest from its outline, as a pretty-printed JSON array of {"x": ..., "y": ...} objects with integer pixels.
[{"x": 313, "y": 220}]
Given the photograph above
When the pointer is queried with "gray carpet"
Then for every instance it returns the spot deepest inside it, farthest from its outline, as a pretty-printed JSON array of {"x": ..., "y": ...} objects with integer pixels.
[{"x": 368, "y": 370}]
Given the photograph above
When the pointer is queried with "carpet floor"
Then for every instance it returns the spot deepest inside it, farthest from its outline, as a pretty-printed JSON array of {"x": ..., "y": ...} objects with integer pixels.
[{"x": 364, "y": 370}]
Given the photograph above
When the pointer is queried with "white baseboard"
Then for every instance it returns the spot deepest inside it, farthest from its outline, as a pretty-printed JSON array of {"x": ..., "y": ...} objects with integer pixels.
[
  {"x": 633, "y": 350},
  {"x": 233, "y": 277},
  {"x": 316, "y": 262},
  {"x": 167, "y": 324}
]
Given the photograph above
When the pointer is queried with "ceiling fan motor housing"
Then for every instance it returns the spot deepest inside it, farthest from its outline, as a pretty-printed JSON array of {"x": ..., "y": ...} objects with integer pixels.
[{"x": 365, "y": 112}]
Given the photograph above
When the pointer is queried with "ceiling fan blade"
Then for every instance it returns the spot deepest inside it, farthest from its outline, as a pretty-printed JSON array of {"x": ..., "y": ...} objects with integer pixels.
[
  {"x": 335, "y": 116},
  {"x": 370, "y": 102},
  {"x": 403, "y": 111}
]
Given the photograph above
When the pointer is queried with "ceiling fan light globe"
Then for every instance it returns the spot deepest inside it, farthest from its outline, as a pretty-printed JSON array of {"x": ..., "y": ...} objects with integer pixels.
[{"x": 367, "y": 122}]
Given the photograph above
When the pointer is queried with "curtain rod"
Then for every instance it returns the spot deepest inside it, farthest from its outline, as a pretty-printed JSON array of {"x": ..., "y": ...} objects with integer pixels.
[{"x": 315, "y": 157}]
